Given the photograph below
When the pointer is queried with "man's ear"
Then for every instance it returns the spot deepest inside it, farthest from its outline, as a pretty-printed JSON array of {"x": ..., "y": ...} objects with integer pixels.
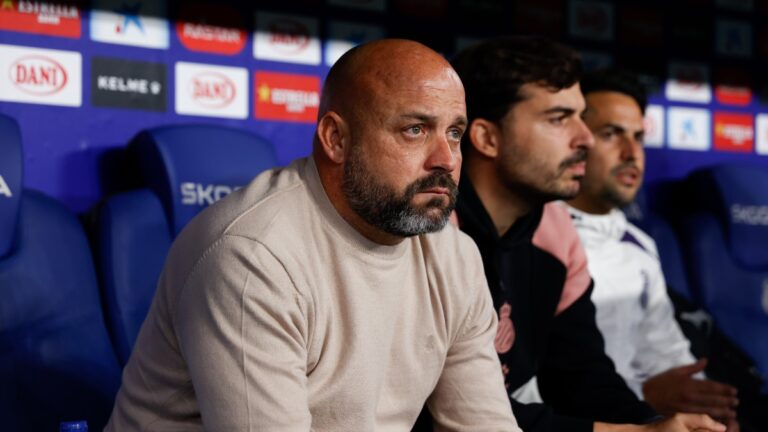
[
  {"x": 332, "y": 132},
  {"x": 485, "y": 137}
]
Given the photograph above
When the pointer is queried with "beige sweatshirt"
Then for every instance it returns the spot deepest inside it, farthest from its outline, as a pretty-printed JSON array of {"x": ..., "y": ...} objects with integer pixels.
[{"x": 274, "y": 314}]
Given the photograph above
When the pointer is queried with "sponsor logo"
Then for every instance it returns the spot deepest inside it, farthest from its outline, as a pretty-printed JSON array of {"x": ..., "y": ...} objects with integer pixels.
[
  {"x": 654, "y": 126},
  {"x": 733, "y": 132},
  {"x": 733, "y": 95},
  {"x": 289, "y": 97},
  {"x": 733, "y": 38},
  {"x": 4, "y": 189},
  {"x": 38, "y": 75},
  {"x": 286, "y": 38},
  {"x": 212, "y": 89},
  {"x": 343, "y": 36},
  {"x": 121, "y": 83},
  {"x": 52, "y": 19},
  {"x": 213, "y": 29},
  {"x": 208, "y": 90},
  {"x": 34, "y": 75},
  {"x": 761, "y": 130},
  {"x": 689, "y": 128},
  {"x": 372, "y": 5},
  {"x": 688, "y": 82},
  {"x": 138, "y": 24},
  {"x": 591, "y": 20},
  {"x": 198, "y": 194},
  {"x": 756, "y": 215}
]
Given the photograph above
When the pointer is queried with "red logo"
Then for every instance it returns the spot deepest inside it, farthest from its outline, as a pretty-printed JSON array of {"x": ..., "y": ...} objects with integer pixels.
[
  {"x": 53, "y": 19},
  {"x": 217, "y": 30},
  {"x": 38, "y": 75},
  {"x": 733, "y": 95},
  {"x": 290, "y": 97},
  {"x": 732, "y": 86},
  {"x": 734, "y": 132},
  {"x": 289, "y": 36},
  {"x": 212, "y": 90}
]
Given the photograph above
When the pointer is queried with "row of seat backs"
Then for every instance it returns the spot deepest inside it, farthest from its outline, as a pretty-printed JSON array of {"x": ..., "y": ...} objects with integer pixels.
[
  {"x": 56, "y": 360},
  {"x": 185, "y": 168},
  {"x": 717, "y": 255},
  {"x": 725, "y": 239}
]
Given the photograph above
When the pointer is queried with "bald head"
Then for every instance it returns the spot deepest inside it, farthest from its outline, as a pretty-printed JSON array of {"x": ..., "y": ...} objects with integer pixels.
[
  {"x": 387, "y": 144},
  {"x": 377, "y": 68}
]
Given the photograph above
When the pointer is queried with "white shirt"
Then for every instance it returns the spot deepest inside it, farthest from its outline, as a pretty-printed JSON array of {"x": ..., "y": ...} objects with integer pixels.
[{"x": 634, "y": 312}]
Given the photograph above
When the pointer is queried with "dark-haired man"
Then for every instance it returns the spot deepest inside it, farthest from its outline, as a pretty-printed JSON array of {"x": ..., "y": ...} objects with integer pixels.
[
  {"x": 634, "y": 312},
  {"x": 526, "y": 146},
  {"x": 326, "y": 295}
]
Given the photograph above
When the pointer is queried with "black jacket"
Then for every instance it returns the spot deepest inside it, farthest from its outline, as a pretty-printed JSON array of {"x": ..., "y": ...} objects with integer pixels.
[{"x": 538, "y": 268}]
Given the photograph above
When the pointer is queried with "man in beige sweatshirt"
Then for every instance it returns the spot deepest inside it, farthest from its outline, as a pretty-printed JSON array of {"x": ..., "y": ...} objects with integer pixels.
[{"x": 330, "y": 295}]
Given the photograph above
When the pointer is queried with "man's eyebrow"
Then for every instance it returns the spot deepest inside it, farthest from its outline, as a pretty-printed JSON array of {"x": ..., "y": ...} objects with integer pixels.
[
  {"x": 424, "y": 118},
  {"x": 560, "y": 110},
  {"x": 614, "y": 126},
  {"x": 460, "y": 121}
]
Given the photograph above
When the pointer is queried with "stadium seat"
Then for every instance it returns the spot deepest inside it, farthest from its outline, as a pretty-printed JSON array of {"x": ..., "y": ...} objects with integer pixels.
[
  {"x": 726, "y": 244},
  {"x": 56, "y": 360},
  {"x": 667, "y": 242},
  {"x": 185, "y": 168}
]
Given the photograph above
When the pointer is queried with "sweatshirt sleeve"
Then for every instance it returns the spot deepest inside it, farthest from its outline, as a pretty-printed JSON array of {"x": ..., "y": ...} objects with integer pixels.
[
  {"x": 242, "y": 329},
  {"x": 578, "y": 379},
  {"x": 470, "y": 394}
]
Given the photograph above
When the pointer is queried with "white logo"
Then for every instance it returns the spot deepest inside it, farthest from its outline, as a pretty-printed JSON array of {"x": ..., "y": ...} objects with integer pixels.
[
  {"x": 761, "y": 130},
  {"x": 749, "y": 214},
  {"x": 215, "y": 91},
  {"x": 138, "y": 23},
  {"x": 734, "y": 38},
  {"x": 689, "y": 128},
  {"x": 211, "y": 33},
  {"x": 688, "y": 82},
  {"x": 737, "y": 134},
  {"x": 4, "y": 189},
  {"x": 295, "y": 101},
  {"x": 654, "y": 126},
  {"x": 48, "y": 13},
  {"x": 128, "y": 85},
  {"x": 344, "y": 36},
  {"x": 204, "y": 194},
  {"x": 41, "y": 76},
  {"x": 287, "y": 38}
]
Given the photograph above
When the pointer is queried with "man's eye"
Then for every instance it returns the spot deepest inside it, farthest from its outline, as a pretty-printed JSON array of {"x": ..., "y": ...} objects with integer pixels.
[
  {"x": 414, "y": 130},
  {"x": 557, "y": 120},
  {"x": 455, "y": 134}
]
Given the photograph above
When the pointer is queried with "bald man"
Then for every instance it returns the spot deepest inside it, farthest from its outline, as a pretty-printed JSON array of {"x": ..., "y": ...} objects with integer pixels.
[{"x": 330, "y": 295}]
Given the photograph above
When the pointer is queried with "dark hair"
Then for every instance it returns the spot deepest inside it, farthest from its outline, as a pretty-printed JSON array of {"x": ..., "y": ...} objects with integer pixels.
[
  {"x": 493, "y": 72},
  {"x": 616, "y": 80}
]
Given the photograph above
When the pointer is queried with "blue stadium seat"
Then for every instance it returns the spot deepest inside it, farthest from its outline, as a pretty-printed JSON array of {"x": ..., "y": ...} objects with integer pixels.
[
  {"x": 185, "y": 168},
  {"x": 726, "y": 242},
  {"x": 56, "y": 361},
  {"x": 667, "y": 242}
]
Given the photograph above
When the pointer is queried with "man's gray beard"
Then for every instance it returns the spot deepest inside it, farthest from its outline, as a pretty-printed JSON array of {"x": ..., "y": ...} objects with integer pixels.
[{"x": 381, "y": 207}]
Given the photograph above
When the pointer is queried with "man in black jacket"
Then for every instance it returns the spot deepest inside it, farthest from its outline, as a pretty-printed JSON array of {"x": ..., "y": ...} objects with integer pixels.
[{"x": 526, "y": 146}]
